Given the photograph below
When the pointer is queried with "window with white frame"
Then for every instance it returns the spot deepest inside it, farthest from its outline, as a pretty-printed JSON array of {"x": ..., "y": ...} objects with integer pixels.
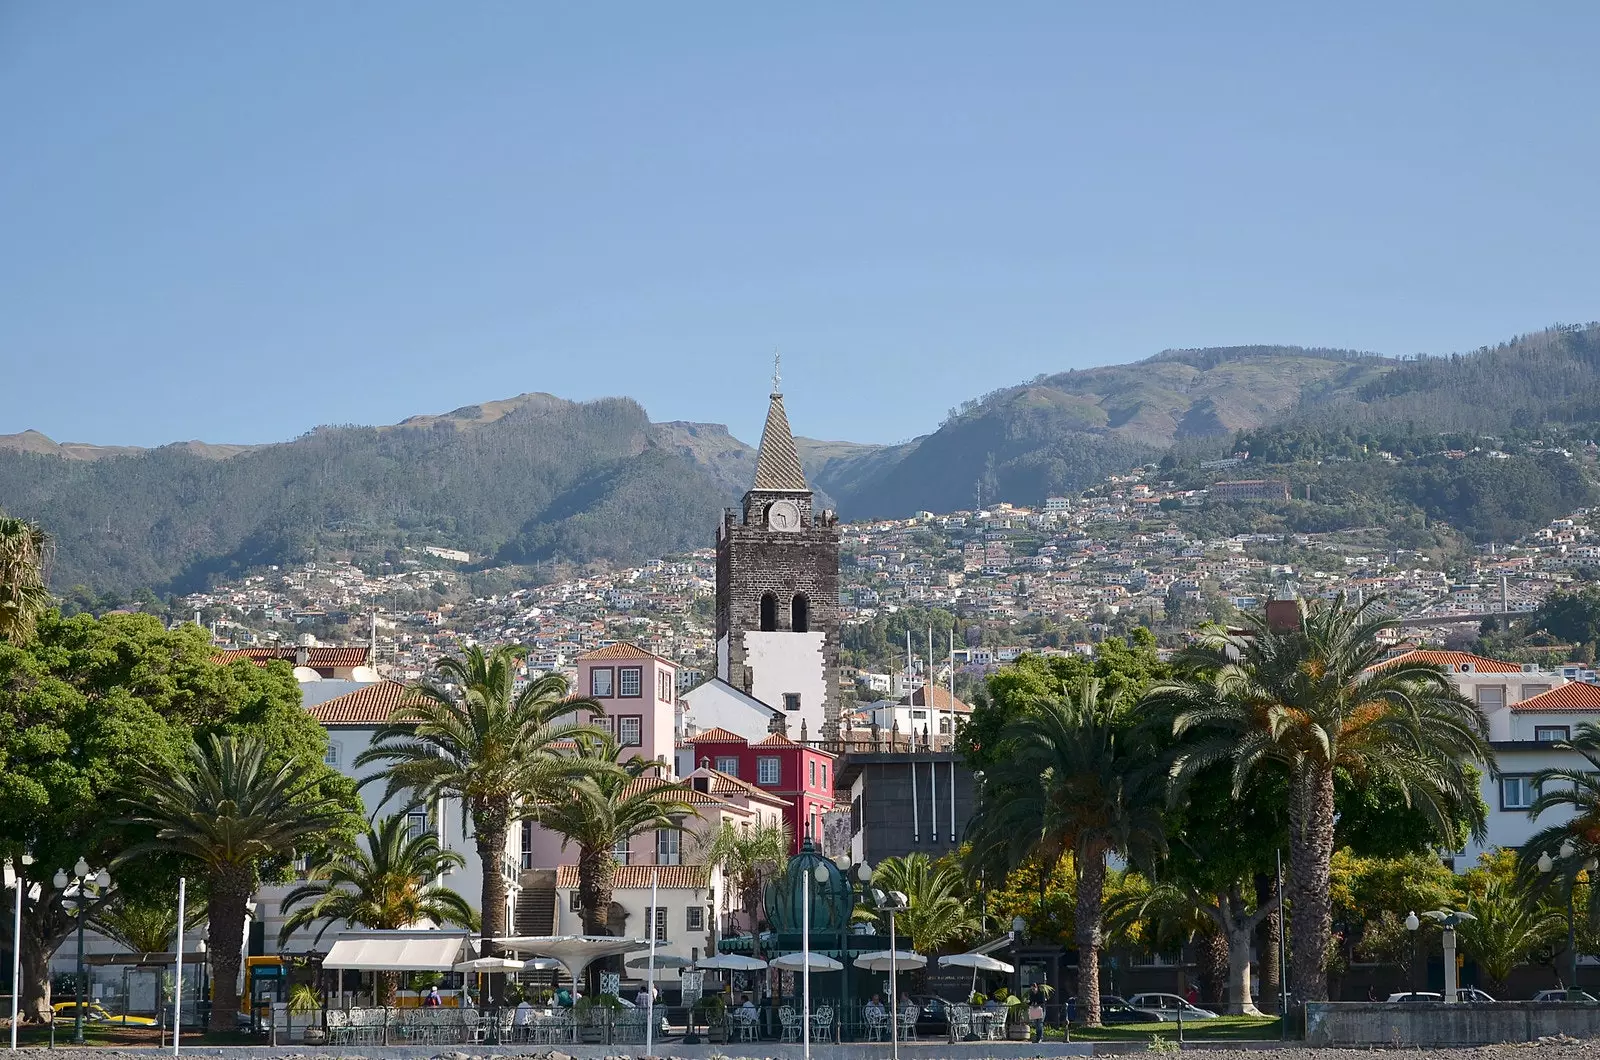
[
  {"x": 1516, "y": 793},
  {"x": 630, "y": 731},
  {"x": 630, "y": 682},
  {"x": 766, "y": 770},
  {"x": 1491, "y": 697},
  {"x": 813, "y": 765},
  {"x": 664, "y": 685},
  {"x": 330, "y": 757},
  {"x": 659, "y": 916},
  {"x": 1529, "y": 691},
  {"x": 696, "y": 918},
  {"x": 600, "y": 682},
  {"x": 573, "y": 904},
  {"x": 1550, "y": 733},
  {"x": 416, "y": 823},
  {"x": 668, "y": 841},
  {"x": 728, "y": 764},
  {"x": 620, "y": 853}
]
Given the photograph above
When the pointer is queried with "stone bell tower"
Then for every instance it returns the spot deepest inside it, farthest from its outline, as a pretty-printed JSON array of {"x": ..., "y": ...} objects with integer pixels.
[{"x": 778, "y": 589}]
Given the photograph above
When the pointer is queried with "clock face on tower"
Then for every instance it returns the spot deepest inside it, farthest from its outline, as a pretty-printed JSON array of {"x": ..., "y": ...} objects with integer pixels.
[{"x": 783, "y": 515}]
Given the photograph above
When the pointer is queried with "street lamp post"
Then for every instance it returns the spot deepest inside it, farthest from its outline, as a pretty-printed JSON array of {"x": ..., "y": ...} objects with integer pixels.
[
  {"x": 1547, "y": 864},
  {"x": 205, "y": 993},
  {"x": 856, "y": 877},
  {"x": 893, "y": 902},
  {"x": 1412, "y": 924},
  {"x": 81, "y": 879},
  {"x": 1449, "y": 919}
]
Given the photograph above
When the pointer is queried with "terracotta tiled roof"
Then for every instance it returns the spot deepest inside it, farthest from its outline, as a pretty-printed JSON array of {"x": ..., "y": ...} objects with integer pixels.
[
  {"x": 728, "y": 784},
  {"x": 1575, "y": 697},
  {"x": 372, "y": 705},
  {"x": 718, "y": 735},
  {"x": 315, "y": 657},
  {"x": 942, "y": 700},
  {"x": 620, "y": 650},
  {"x": 1457, "y": 659},
  {"x": 777, "y": 739},
  {"x": 638, "y": 877},
  {"x": 777, "y": 462}
]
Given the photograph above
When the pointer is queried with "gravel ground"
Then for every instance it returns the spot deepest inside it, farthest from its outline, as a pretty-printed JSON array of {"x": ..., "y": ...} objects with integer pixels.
[{"x": 1544, "y": 1049}]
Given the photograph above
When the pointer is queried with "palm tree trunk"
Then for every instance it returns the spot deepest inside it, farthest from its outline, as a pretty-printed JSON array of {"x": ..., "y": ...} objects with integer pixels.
[
  {"x": 491, "y": 820},
  {"x": 230, "y": 887},
  {"x": 1311, "y": 854},
  {"x": 1091, "y": 901},
  {"x": 596, "y": 870},
  {"x": 1267, "y": 937}
]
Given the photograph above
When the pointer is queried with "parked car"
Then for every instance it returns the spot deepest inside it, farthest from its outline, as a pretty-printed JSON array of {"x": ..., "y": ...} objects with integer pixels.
[
  {"x": 933, "y": 1014},
  {"x": 93, "y": 1012},
  {"x": 1415, "y": 997},
  {"x": 1472, "y": 995},
  {"x": 1116, "y": 1009},
  {"x": 1559, "y": 995},
  {"x": 1167, "y": 1007}
]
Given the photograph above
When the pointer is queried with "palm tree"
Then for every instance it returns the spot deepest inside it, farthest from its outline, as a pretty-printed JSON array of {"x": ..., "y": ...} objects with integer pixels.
[
  {"x": 1077, "y": 784},
  {"x": 937, "y": 913},
  {"x": 1511, "y": 925},
  {"x": 489, "y": 746},
  {"x": 1314, "y": 700},
  {"x": 747, "y": 857},
  {"x": 1182, "y": 912},
  {"x": 387, "y": 882},
  {"x": 24, "y": 585},
  {"x": 229, "y": 813},
  {"x": 144, "y": 925},
  {"x": 1577, "y": 790},
  {"x": 610, "y": 803}
]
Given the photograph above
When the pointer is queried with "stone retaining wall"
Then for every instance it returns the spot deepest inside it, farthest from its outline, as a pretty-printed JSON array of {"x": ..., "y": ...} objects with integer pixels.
[{"x": 1432, "y": 1025}]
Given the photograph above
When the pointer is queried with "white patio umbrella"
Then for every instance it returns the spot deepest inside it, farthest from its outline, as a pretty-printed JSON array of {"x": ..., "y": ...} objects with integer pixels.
[
  {"x": 978, "y": 962},
  {"x": 731, "y": 962},
  {"x": 885, "y": 961},
  {"x": 663, "y": 960},
  {"x": 491, "y": 964},
  {"x": 794, "y": 962}
]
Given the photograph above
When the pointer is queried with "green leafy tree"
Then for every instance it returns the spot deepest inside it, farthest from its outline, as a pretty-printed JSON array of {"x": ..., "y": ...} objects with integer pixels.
[
  {"x": 493, "y": 748},
  {"x": 88, "y": 702},
  {"x": 1310, "y": 700},
  {"x": 748, "y": 857},
  {"x": 610, "y": 803},
  {"x": 230, "y": 814},
  {"x": 938, "y": 912},
  {"x": 1077, "y": 782},
  {"x": 24, "y": 584}
]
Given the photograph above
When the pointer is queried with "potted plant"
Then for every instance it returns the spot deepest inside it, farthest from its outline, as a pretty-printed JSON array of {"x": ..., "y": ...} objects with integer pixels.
[
  {"x": 712, "y": 1011},
  {"x": 1016, "y": 1019},
  {"x": 978, "y": 999},
  {"x": 304, "y": 1002}
]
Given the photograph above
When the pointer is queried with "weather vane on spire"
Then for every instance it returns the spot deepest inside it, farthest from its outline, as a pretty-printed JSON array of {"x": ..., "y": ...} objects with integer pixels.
[{"x": 777, "y": 376}]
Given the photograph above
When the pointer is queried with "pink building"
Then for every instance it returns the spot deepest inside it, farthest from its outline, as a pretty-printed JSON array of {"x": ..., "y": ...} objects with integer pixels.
[{"x": 638, "y": 691}]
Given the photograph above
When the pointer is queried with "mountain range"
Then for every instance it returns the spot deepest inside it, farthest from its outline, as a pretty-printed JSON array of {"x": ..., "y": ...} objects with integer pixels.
[{"x": 535, "y": 478}]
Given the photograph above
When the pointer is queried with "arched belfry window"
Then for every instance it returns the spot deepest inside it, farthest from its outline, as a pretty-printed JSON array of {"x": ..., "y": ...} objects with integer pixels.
[
  {"x": 799, "y": 614},
  {"x": 769, "y": 612}
]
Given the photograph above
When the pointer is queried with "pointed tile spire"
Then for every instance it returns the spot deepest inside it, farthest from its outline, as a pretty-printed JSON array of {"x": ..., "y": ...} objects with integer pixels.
[{"x": 778, "y": 464}]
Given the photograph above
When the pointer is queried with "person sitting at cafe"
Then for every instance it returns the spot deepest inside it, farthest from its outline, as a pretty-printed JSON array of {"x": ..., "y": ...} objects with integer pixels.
[{"x": 875, "y": 1007}]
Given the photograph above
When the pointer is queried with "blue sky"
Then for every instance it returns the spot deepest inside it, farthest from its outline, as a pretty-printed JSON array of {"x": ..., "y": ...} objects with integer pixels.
[{"x": 237, "y": 221}]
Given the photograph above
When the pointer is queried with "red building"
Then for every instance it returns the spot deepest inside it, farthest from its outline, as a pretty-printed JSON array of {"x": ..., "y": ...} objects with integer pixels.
[{"x": 792, "y": 771}]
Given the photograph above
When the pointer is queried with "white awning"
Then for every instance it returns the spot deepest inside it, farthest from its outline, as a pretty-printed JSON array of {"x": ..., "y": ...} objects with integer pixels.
[{"x": 393, "y": 951}]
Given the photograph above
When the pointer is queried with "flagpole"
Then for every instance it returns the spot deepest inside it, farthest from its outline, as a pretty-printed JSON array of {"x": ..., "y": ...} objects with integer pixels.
[
  {"x": 650, "y": 975},
  {"x": 916, "y": 825},
  {"x": 16, "y": 949},
  {"x": 953, "y": 733}
]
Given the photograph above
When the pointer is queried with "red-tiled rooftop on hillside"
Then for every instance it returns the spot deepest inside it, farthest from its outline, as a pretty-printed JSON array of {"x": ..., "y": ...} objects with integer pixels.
[
  {"x": 1575, "y": 697},
  {"x": 315, "y": 657},
  {"x": 940, "y": 698},
  {"x": 1456, "y": 659},
  {"x": 717, "y": 735},
  {"x": 621, "y": 650},
  {"x": 373, "y": 705}
]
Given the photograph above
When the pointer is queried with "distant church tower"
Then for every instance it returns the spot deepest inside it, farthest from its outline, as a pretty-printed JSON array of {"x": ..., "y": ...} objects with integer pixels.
[{"x": 778, "y": 590}]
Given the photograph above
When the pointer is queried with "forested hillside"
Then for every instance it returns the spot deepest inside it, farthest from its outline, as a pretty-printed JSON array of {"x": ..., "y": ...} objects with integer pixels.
[{"x": 535, "y": 477}]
